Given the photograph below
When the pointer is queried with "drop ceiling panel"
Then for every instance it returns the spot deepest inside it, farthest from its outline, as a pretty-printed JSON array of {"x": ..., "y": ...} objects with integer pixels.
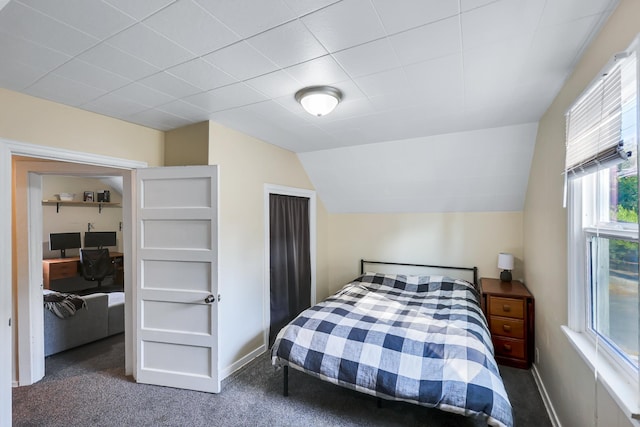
[
  {"x": 190, "y": 26},
  {"x": 91, "y": 75},
  {"x": 401, "y": 16},
  {"x": 345, "y": 24},
  {"x": 288, "y": 44},
  {"x": 201, "y": 74},
  {"x": 139, "y": 9},
  {"x": 53, "y": 87},
  {"x": 22, "y": 21},
  {"x": 247, "y": 18},
  {"x": 438, "y": 39},
  {"x": 241, "y": 60},
  {"x": 119, "y": 62},
  {"x": 368, "y": 58},
  {"x": 89, "y": 16},
  {"x": 144, "y": 43}
]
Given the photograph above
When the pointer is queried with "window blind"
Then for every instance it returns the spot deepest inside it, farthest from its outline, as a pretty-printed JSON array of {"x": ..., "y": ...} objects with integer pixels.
[{"x": 595, "y": 122}]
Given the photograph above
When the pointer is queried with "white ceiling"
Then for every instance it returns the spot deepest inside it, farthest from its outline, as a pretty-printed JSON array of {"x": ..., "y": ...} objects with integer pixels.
[{"x": 408, "y": 68}]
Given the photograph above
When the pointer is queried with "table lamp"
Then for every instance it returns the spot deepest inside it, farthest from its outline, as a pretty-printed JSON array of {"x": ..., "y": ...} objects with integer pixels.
[{"x": 505, "y": 262}]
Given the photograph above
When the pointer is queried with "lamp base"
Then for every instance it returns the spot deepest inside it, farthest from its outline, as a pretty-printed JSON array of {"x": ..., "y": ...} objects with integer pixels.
[{"x": 505, "y": 276}]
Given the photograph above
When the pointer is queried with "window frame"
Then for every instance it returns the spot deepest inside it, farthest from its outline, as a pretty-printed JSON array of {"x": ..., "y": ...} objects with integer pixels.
[{"x": 616, "y": 373}]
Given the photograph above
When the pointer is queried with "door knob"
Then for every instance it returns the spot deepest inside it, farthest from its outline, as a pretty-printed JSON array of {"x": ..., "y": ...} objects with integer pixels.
[{"x": 210, "y": 299}]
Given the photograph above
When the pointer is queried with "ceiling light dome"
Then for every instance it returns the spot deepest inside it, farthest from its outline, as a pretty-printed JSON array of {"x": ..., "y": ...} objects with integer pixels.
[{"x": 319, "y": 100}]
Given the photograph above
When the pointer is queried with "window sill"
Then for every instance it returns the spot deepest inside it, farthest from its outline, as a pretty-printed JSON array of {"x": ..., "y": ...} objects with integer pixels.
[{"x": 623, "y": 391}]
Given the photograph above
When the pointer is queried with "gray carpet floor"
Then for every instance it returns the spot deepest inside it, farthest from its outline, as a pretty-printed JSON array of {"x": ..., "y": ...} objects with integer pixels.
[{"x": 86, "y": 386}]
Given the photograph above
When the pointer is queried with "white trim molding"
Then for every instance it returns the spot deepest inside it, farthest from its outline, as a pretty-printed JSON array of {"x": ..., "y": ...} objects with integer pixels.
[
  {"x": 8, "y": 149},
  {"x": 551, "y": 411}
]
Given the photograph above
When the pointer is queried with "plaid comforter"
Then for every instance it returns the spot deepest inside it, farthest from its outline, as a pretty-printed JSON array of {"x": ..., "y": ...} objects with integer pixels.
[{"x": 420, "y": 339}]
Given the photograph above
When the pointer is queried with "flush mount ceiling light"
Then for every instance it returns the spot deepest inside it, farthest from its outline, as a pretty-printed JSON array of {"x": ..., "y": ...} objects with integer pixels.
[{"x": 319, "y": 100}]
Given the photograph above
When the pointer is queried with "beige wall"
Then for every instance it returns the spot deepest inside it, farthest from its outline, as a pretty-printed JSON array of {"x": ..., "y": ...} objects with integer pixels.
[
  {"x": 245, "y": 165},
  {"x": 460, "y": 239},
  {"x": 567, "y": 380},
  {"x": 24, "y": 118},
  {"x": 188, "y": 145}
]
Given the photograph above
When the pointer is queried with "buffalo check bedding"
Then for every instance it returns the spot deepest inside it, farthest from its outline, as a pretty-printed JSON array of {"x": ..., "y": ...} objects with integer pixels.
[{"x": 419, "y": 339}]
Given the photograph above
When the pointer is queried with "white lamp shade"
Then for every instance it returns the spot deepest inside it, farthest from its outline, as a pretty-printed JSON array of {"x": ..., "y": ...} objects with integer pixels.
[
  {"x": 505, "y": 261},
  {"x": 319, "y": 100}
]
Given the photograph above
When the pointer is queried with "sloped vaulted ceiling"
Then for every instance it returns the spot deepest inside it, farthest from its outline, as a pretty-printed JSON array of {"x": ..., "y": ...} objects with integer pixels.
[{"x": 409, "y": 70}]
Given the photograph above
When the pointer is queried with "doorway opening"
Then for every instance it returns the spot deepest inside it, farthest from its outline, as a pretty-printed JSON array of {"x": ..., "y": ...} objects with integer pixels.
[
  {"x": 290, "y": 230},
  {"x": 27, "y": 249}
]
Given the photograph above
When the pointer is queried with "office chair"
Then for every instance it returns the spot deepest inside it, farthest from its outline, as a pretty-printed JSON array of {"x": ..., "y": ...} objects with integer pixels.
[{"x": 96, "y": 264}]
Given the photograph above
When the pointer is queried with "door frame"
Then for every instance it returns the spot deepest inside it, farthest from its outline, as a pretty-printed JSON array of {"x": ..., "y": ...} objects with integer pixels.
[
  {"x": 8, "y": 149},
  {"x": 296, "y": 192}
]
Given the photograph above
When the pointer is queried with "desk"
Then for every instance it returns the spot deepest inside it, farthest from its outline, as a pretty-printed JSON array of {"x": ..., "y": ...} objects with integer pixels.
[{"x": 62, "y": 268}]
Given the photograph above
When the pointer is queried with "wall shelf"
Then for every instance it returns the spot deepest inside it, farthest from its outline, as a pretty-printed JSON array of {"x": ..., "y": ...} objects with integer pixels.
[{"x": 100, "y": 205}]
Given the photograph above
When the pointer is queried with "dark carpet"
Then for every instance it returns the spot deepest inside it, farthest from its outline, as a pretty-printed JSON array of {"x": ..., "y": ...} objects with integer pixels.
[{"x": 87, "y": 386}]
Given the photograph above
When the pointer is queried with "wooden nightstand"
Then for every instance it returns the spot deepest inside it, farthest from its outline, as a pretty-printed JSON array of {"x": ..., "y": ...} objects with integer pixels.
[{"x": 509, "y": 309}]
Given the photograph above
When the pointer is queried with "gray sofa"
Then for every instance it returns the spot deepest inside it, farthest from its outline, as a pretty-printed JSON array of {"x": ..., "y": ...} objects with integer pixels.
[{"x": 102, "y": 317}]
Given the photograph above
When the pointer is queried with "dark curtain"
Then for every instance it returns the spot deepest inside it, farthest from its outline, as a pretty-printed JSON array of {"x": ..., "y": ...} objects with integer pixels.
[{"x": 290, "y": 259}]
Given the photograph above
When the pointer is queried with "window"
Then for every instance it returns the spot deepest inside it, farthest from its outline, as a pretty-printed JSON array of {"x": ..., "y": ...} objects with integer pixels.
[{"x": 602, "y": 184}]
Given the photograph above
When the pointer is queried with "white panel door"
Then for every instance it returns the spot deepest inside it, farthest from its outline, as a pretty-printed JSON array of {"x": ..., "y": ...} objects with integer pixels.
[{"x": 177, "y": 289}]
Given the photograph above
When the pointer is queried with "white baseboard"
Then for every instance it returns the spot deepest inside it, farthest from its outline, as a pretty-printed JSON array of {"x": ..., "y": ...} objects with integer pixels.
[
  {"x": 224, "y": 373},
  {"x": 545, "y": 397}
]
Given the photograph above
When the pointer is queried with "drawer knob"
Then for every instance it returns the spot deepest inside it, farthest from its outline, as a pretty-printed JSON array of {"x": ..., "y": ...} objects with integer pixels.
[
  {"x": 506, "y": 307},
  {"x": 506, "y": 347},
  {"x": 506, "y": 328}
]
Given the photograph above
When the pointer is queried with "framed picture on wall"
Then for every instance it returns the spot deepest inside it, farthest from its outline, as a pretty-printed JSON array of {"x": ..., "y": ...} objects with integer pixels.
[{"x": 88, "y": 196}]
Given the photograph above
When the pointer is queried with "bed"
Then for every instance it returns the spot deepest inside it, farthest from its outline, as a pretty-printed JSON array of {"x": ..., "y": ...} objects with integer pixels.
[{"x": 421, "y": 339}]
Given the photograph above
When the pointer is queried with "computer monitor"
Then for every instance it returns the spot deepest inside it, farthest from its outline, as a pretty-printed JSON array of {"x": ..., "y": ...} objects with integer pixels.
[
  {"x": 99, "y": 239},
  {"x": 63, "y": 241}
]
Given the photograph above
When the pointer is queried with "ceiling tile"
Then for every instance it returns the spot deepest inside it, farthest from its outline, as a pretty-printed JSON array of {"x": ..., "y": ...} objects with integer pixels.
[
  {"x": 17, "y": 76},
  {"x": 117, "y": 61},
  {"x": 201, "y": 74},
  {"x": 564, "y": 11},
  {"x": 241, "y": 60},
  {"x": 320, "y": 71},
  {"x": 170, "y": 85},
  {"x": 143, "y": 95},
  {"x": 21, "y": 21},
  {"x": 144, "y": 43},
  {"x": 303, "y": 7},
  {"x": 288, "y": 44},
  {"x": 192, "y": 27},
  {"x": 383, "y": 83},
  {"x": 500, "y": 20},
  {"x": 183, "y": 109},
  {"x": 337, "y": 29},
  {"x": 225, "y": 98},
  {"x": 273, "y": 85},
  {"x": 90, "y": 16},
  {"x": 139, "y": 9},
  {"x": 248, "y": 18},
  {"x": 400, "y": 16},
  {"x": 31, "y": 54},
  {"x": 368, "y": 58},
  {"x": 437, "y": 39},
  {"x": 159, "y": 120},
  {"x": 114, "y": 106},
  {"x": 58, "y": 88},
  {"x": 91, "y": 75}
]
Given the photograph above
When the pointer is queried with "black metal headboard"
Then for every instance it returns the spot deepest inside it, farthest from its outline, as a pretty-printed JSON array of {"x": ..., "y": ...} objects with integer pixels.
[{"x": 446, "y": 267}]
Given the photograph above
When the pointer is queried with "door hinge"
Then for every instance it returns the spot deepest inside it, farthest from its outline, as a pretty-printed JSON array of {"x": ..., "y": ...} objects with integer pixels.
[
  {"x": 9, "y": 321},
  {"x": 219, "y": 298}
]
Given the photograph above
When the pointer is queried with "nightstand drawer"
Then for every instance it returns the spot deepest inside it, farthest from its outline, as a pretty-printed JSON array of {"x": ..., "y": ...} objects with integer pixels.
[
  {"x": 506, "y": 307},
  {"x": 63, "y": 270},
  {"x": 506, "y": 327},
  {"x": 506, "y": 347}
]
